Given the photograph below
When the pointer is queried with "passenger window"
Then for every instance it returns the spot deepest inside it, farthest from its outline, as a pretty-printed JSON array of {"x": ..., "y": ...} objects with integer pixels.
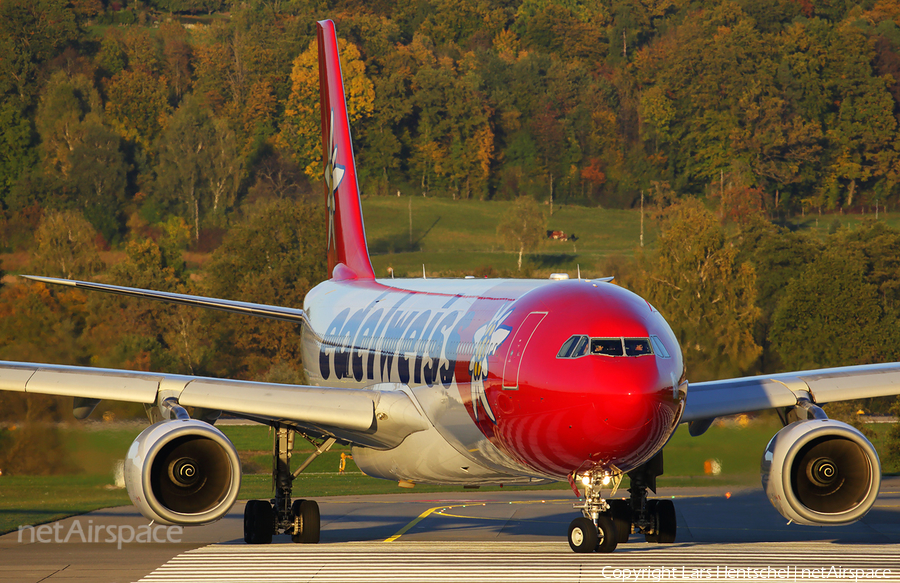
[
  {"x": 606, "y": 346},
  {"x": 659, "y": 347},
  {"x": 637, "y": 346}
]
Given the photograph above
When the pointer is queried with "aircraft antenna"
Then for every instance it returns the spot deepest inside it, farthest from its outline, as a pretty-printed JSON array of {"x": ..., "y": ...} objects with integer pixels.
[
  {"x": 579, "y": 272},
  {"x": 423, "y": 272}
]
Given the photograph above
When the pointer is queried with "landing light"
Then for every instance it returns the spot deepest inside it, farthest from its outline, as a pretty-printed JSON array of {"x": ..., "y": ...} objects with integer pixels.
[
  {"x": 586, "y": 480},
  {"x": 606, "y": 480}
]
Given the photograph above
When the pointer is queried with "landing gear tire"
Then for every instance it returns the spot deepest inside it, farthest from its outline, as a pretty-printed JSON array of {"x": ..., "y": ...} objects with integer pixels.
[
  {"x": 259, "y": 522},
  {"x": 620, "y": 512},
  {"x": 306, "y": 521},
  {"x": 654, "y": 516},
  {"x": 663, "y": 514},
  {"x": 583, "y": 535},
  {"x": 606, "y": 534},
  {"x": 666, "y": 520}
]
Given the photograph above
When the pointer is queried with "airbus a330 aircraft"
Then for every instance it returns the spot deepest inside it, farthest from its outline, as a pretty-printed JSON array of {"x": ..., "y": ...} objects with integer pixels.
[{"x": 468, "y": 382}]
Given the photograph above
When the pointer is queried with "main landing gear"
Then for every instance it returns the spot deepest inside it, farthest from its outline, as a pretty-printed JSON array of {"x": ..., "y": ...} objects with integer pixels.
[
  {"x": 606, "y": 523},
  {"x": 300, "y": 518}
]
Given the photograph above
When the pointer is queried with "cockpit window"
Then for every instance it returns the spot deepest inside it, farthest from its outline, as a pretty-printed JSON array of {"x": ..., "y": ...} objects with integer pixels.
[
  {"x": 581, "y": 347},
  {"x": 659, "y": 348},
  {"x": 573, "y": 347},
  {"x": 606, "y": 346},
  {"x": 637, "y": 346},
  {"x": 578, "y": 345},
  {"x": 568, "y": 345}
]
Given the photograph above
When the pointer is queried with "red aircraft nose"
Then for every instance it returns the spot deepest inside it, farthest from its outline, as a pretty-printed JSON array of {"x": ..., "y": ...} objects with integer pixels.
[
  {"x": 614, "y": 404},
  {"x": 620, "y": 418}
]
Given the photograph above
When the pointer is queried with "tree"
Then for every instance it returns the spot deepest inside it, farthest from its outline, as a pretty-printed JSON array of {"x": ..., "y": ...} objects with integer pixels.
[
  {"x": 199, "y": 167},
  {"x": 277, "y": 177},
  {"x": 301, "y": 131},
  {"x": 16, "y": 151},
  {"x": 830, "y": 316},
  {"x": 111, "y": 57},
  {"x": 695, "y": 280},
  {"x": 778, "y": 256},
  {"x": 130, "y": 332},
  {"x": 224, "y": 169},
  {"x": 275, "y": 256},
  {"x": 556, "y": 29},
  {"x": 178, "y": 56},
  {"x": 40, "y": 325},
  {"x": 68, "y": 104},
  {"x": 454, "y": 139},
  {"x": 31, "y": 33},
  {"x": 66, "y": 246},
  {"x": 136, "y": 104},
  {"x": 142, "y": 49},
  {"x": 99, "y": 175},
  {"x": 523, "y": 228},
  {"x": 242, "y": 68}
]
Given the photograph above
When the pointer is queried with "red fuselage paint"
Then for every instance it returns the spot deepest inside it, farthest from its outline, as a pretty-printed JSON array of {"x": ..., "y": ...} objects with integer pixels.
[{"x": 490, "y": 347}]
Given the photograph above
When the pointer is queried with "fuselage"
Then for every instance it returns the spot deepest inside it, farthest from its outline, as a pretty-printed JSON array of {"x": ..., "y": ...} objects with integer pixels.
[{"x": 532, "y": 378}]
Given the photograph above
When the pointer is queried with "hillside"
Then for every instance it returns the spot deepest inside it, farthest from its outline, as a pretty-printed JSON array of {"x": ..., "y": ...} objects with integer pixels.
[{"x": 461, "y": 236}]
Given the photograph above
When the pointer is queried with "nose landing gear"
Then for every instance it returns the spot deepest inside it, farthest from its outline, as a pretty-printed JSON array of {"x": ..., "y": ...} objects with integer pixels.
[
  {"x": 606, "y": 523},
  {"x": 597, "y": 530},
  {"x": 587, "y": 536}
]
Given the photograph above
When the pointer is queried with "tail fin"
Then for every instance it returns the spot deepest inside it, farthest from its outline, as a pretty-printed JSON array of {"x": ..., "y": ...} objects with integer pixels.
[{"x": 348, "y": 255}]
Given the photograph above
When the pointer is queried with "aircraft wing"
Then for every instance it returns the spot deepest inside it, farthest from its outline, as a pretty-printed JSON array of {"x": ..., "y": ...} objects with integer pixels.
[
  {"x": 708, "y": 400},
  {"x": 380, "y": 416},
  {"x": 247, "y": 308}
]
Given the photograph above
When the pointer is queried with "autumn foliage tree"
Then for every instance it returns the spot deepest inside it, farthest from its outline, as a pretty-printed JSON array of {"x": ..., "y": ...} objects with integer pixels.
[
  {"x": 66, "y": 246},
  {"x": 301, "y": 131},
  {"x": 696, "y": 282},
  {"x": 523, "y": 227},
  {"x": 275, "y": 256}
]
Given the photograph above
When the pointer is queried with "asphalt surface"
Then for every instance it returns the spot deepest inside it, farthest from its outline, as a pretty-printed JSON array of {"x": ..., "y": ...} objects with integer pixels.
[{"x": 504, "y": 536}]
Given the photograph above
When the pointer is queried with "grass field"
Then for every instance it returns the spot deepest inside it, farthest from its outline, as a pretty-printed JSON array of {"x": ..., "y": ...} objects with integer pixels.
[
  {"x": 461, "y": 236},
  {"x": 452, "y": 235},
  {"x": 95, "y": 449}
]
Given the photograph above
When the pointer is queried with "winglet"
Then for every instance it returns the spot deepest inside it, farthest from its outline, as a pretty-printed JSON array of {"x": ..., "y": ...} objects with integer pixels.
[{"x": 348, "y": 255}]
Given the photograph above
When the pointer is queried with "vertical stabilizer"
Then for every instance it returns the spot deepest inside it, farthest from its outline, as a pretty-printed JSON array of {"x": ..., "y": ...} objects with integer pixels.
[{"x": 348, "y": 256}]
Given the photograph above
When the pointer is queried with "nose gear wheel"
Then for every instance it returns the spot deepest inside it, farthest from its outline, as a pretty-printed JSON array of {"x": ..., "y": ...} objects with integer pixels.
[{"x": 606, "y": 523}]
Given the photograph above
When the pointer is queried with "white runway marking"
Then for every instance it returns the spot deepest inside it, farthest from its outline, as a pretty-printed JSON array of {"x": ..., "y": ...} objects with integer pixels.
[{"x": 531, "y": 561}]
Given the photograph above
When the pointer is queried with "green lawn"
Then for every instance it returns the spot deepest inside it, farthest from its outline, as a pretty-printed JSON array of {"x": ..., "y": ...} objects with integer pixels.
[
  {"x": 34, "y": 500},
  {"x": 462, "y": 236}
]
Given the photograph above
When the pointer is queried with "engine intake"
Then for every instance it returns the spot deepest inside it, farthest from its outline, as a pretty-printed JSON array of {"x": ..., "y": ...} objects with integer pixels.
[
  {"x": 821, "y": 471},
  {"x": 182, "y": 472}
]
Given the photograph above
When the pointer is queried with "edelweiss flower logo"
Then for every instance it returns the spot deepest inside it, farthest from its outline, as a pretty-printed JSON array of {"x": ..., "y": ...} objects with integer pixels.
[
  {"x": 334, "y": 175},
  {"x": 487, "y": 339}
]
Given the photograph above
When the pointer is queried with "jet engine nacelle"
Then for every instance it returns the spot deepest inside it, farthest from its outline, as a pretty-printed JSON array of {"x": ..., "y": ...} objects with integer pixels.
[
  {"x": 821, "y": 471},
  {"x": 182, "y": 471}
]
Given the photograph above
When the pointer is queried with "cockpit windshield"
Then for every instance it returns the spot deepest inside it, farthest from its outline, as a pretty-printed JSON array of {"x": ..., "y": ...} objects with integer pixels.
[
  {"x": 637, "y": 346},
  {"x": 607, "y": 346},
  {"x": 580, "y": 345},
  {"x": 573, "y": 347}
]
